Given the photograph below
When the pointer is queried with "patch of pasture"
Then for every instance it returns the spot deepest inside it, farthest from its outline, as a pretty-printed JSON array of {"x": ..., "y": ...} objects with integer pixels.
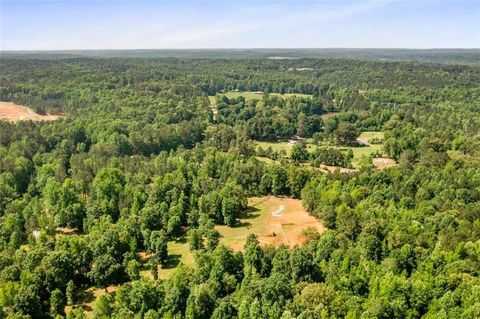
[
  {"x": 286, "y": 95},
  {"x": 249, "y": 95},
  {"x": 282, "y": 146},
  {"x": 367, "y": 136},
  {"x": 275, "y": 220},
  {"x": 178, "y": 252},
  {"x": 359, "y": 152}
]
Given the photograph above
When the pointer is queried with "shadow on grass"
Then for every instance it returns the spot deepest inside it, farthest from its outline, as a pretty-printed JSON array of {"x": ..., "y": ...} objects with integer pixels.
[
  {"x": 85, "y": 296},
  {"x": 172, "y": 261},
  {"x": 251, "y": 213},
  {"x": 242, "y": 224},
  {"x": 181, "y": 240},
  {"x": 85, "y": 308}
]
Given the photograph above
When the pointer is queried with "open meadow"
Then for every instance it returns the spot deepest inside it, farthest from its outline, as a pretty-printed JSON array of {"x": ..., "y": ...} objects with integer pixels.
[
  {"x": 275, "y": 220},
  {"x": 248, "y": 95},
  {"x": 365, "y": 149}
]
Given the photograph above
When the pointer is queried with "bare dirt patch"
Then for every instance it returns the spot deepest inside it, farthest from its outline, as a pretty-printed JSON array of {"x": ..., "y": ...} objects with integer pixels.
[
  {"x": 332, "y": 169},
  {"x": 383, "y": 162},
  {"x": 12, "y": 112},
  {"x": 275, "y": 220},
  {"x": 66, "y": 230}
]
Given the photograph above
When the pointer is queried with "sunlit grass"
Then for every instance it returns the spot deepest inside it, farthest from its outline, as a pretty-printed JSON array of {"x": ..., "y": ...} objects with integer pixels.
[{"x": 255, "y": 96}]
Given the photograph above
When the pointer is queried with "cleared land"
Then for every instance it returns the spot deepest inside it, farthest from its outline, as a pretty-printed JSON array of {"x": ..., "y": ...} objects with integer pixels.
[
  {"x": 255, "y": 95},
  {"x": 275, "y": 220},
  {"x": 88, "y": 297},
  {"x": 178, "y": 252},
  {"x": 383, "y": 162},
  {"x": 283, "y": 146},
  {"x": 366, "y": 137},
  {"x": 363, "y": 151},
  {"x": 12, "y": 112},
  {"x": 359, "y": 152}
]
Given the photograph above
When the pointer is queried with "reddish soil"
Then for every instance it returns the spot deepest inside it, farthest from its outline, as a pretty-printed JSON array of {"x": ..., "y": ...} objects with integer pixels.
[
  {"x": 279, "y": 220},
  {"x": 12, "y": 112}
]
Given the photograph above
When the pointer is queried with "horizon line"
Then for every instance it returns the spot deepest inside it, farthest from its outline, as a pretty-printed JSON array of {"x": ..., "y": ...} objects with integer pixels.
[{"x": 252, "y": 48}]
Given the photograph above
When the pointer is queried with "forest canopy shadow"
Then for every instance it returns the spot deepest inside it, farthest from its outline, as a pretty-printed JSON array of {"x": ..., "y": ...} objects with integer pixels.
[
  {"x": 172, "y": 261},
  {"x": 250, "y": 213}
]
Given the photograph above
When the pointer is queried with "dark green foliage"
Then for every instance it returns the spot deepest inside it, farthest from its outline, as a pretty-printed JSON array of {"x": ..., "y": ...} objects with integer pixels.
[
  {"x": 105, "y": 271},
  {"x": 331, "y": 156},
  {"x": 158, "y": 245},
  {"x": 299, "y": 152},
  {"x": 57, "y": 303}
]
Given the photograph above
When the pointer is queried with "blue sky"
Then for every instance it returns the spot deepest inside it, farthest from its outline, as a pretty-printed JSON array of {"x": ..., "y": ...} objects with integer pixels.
[{"x": 157, "y": 24}]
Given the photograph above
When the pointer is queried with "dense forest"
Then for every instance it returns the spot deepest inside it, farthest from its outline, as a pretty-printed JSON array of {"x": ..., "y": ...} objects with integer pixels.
[
  {"x": 152, "y": 150},
  {"x": 463, "y": 56}
]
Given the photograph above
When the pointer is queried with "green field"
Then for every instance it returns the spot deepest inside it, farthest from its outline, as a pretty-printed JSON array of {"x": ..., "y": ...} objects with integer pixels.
[
  {"x": 178, "y": 252},
  {"x": 257, "y": 220},
  {"x": 367, "y": 135},
  {"x": 255, "y": 96},
  {"x": 359, "y": 152},
  {"x": 282, "y": 145}
]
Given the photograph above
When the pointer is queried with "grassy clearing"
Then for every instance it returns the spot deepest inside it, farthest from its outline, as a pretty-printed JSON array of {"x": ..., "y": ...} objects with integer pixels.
[
  {"x": 368, "y": 135},
  {"x": 178, "y": 252},
  {"x": 276, "y": 146},
  {"x": 275, "y": 220},
  {"x": 286, "y": 227},
  {"x": 255, "y": 96},
  {"x": 328, "y": 115},
  {"x": 282, "y": 146},
  {"x": 211, "y": 99},
  {"x": 359, "y": 152},
  {"x": 284, "y": 95},
  {"x": 88, "y": 297}
]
